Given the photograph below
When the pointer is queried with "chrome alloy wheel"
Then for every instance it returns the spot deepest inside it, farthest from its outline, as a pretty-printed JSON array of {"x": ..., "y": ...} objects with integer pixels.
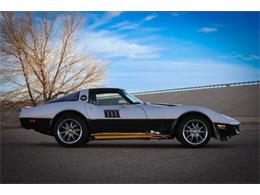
[
  {"x": 195, "y": 132},
  {"x": 69, "y": 131}
]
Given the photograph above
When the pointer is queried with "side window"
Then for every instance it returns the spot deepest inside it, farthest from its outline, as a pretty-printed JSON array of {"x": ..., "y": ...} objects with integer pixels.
[
  {"x": 107, "y": 99},
  {"x": 69, "y": 97}
]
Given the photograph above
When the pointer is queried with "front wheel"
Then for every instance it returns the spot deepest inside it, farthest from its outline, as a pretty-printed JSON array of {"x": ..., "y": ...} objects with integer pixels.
[
  {"x": 70, "y": 131},
  {"x": 194, "y": 131}
]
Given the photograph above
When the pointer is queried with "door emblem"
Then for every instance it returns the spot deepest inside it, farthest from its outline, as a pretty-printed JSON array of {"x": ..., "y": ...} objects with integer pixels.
[
  {"x": 112, "y": 113},
  {"x": 83, "y": 98}
]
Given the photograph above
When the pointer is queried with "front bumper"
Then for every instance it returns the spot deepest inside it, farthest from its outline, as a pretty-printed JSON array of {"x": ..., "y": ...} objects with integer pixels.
[
  {"x": 227, "y": 130},
  {"x": 41, "y": 125}
]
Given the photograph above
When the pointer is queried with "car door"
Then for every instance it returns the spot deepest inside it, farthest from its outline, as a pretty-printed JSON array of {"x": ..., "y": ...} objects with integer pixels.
[{"x": 110, "y": 111}]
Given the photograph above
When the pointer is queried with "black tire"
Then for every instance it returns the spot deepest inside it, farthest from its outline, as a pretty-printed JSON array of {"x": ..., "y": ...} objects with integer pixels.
[
  {"x": 194, "y": 138},
  {"x": 77, "y": 129}
]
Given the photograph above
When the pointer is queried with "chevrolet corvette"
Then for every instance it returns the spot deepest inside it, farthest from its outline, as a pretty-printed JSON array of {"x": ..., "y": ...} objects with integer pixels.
[{"x": 112, "y": 113}]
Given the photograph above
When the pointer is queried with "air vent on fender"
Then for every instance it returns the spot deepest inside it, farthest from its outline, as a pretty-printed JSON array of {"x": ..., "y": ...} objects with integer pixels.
[{"x": 112, "y": 113}]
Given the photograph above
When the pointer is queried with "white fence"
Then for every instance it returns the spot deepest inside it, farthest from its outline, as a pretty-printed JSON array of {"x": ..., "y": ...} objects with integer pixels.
[{"x": 199, "y": 87}]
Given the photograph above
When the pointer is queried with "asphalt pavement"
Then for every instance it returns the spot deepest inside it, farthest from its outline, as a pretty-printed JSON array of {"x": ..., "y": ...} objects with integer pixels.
[{"x": 30, "y": 157}]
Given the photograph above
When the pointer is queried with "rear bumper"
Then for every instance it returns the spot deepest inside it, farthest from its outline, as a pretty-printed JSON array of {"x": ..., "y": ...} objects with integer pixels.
[
  {"x": 227, "y": 130},
  {"x": 41, "y": 125}
]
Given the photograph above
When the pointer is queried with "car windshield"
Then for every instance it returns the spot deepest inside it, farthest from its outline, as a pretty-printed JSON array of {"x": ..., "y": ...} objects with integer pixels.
[{"x": 132, "y": 98}]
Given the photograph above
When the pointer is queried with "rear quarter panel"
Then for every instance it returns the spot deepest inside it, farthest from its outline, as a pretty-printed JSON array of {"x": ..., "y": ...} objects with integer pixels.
[{"x": 50, "y": 110}]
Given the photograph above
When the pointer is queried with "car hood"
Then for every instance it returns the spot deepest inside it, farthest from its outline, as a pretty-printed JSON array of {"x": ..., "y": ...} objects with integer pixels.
[{"x": 174, "y": 111}]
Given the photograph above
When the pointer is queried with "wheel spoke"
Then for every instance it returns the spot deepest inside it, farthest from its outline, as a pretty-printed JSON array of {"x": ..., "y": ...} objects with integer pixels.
[
  {"x": 192, "y": 137},
  {"x": 74, "y": 133},
  {"x": 67, "y": 125},
  {"x": 65, "y": 135},
  {"x": 73, "y": 126},
  {"x": 63, "y": 127},
  {"x": 200, "y": 128},
  {"x": 189, "y": 136},
  {"x": 200, "y": 136},
  {"x": 72, "y": 136},
  {"x": 197, "y": 125},
  {"x": 188, "y": 130}
]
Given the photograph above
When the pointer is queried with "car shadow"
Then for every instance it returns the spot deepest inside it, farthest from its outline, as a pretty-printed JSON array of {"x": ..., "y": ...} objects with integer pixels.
[{"x": 129, "y": 145}]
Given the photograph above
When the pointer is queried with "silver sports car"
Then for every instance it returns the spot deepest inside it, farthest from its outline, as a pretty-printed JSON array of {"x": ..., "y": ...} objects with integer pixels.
[{"x": 112, "y": 113}]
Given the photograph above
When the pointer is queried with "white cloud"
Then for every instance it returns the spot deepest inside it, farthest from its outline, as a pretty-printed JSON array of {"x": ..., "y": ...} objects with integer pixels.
[
  {"x": 125, "y": 25},
  {"x": 137, "y": 26},
  {"x": 107, "y": 17},
  {"x": 208, "y": 29},
  {"x": 171, "y": 74},
  {"x": 254, "y": 57},
  {"x": 113, "y": 14},
  {"x": 109, "y": 45},
  {"x": 150, "y": 17},
  {"x": 239, "y": 56},
  {"x": 175, "y": 14},
  {"x": 217, "y": 25}
]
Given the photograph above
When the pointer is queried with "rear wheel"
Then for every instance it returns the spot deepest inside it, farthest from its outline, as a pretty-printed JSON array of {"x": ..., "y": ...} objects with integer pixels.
[
  {"x": 194, "y": 131},
  {"x": 70, "y": 131}
]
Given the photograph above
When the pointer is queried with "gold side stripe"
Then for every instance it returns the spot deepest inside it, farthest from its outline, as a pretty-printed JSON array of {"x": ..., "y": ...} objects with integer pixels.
[{"x": 115, "y": 135}]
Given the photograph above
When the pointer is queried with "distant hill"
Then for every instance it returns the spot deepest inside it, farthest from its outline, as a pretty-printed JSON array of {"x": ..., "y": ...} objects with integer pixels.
[{"x": 236, "y": 101}]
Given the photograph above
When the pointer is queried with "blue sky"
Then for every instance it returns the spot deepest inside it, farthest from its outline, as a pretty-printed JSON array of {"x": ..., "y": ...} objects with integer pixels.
[{"x": 159, "y": 50}]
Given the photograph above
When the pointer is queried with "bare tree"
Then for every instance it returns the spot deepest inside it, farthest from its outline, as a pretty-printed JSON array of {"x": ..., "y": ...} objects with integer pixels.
[{"x": 39, "y": 57}]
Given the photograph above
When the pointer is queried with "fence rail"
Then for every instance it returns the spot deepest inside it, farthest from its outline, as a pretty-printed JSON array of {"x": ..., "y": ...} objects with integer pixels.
[{"x": 199, "y": 87}]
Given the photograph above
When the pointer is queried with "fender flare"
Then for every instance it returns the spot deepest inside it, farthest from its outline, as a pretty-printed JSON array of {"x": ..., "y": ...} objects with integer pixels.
[
  {"x": 183, "y": 115},
  {"x": 73, "y": 112}
]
